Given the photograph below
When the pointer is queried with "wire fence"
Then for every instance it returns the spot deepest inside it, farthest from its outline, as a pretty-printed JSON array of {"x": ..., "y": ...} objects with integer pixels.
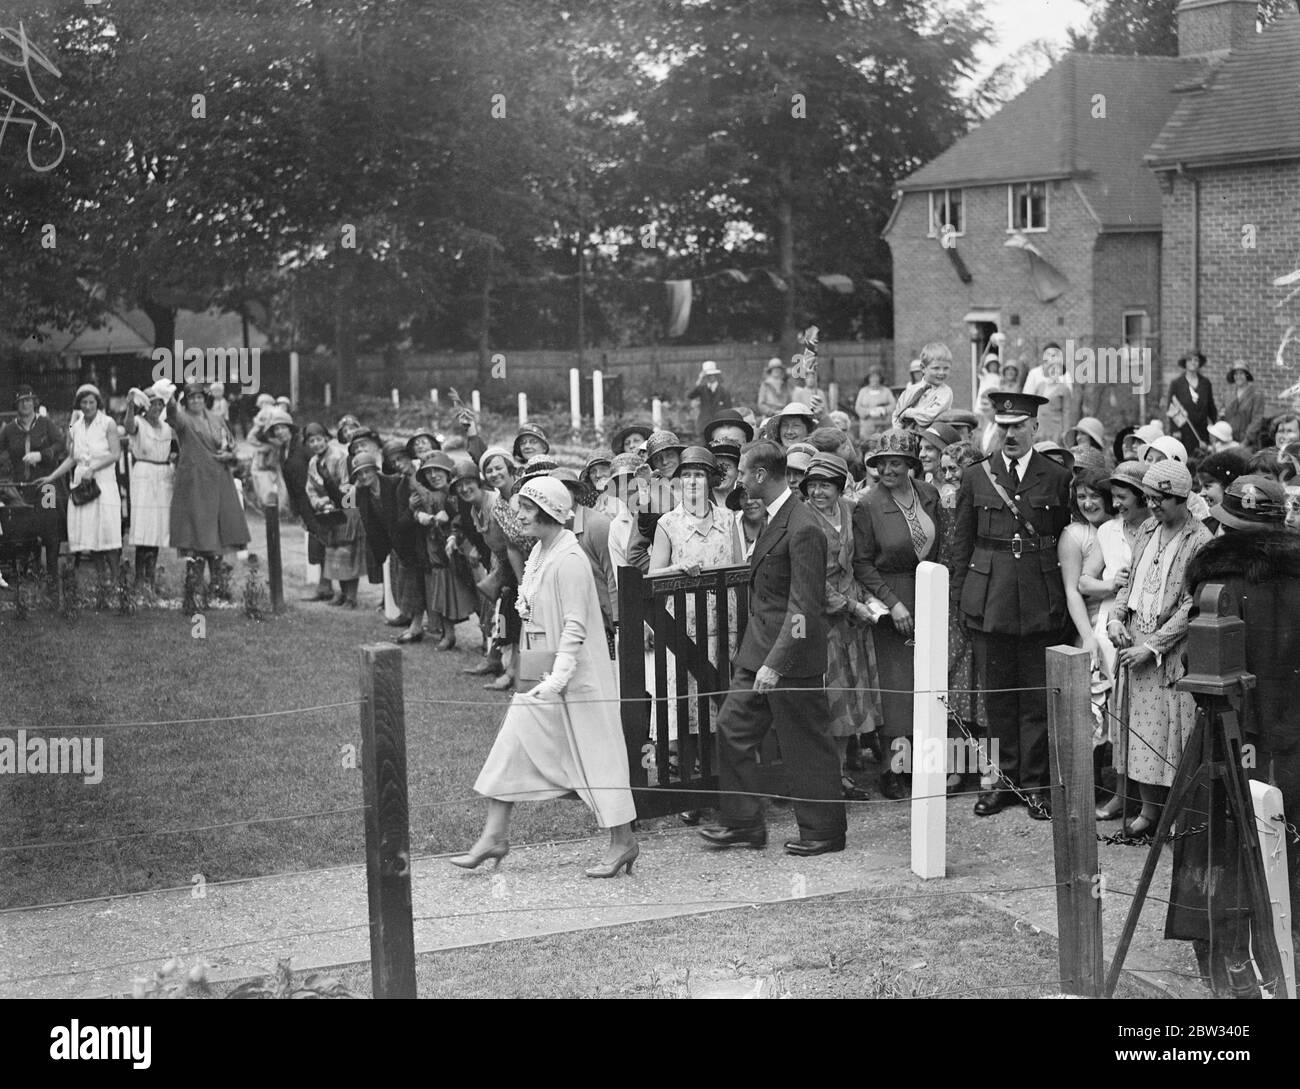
[{"x": 684, "y": 904}]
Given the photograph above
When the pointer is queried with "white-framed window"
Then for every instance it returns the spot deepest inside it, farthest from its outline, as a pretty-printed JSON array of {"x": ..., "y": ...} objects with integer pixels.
[
  {"x": 1027, "y": 206},
  {"x": 1137, "y": 328},
  {"x": 946, "y": 211}
]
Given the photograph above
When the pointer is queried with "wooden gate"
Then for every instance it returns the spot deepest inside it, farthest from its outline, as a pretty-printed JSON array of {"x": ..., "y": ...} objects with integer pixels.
[{"x": 654, "y": 624}]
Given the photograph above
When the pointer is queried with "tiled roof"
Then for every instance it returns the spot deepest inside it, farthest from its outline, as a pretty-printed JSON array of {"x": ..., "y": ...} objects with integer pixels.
[
  {"x": 1247, "y": 110},
  {"x": 1049, "y": 131}
]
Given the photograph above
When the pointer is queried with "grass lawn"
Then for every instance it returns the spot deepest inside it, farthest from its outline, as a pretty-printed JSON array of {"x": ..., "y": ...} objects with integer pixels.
[
  {"x": 829, "y": 947},
  {"x": 68, "y": 676}
]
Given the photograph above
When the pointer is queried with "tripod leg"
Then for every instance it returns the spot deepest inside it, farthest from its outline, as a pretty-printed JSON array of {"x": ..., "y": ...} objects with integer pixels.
[{"x": 1184, "y": 777}]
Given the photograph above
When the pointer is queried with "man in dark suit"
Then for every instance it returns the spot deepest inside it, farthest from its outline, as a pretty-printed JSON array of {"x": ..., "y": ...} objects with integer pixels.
[
  {"x": 784, "y": 648},
  {"x": 1006, "y": 580}
]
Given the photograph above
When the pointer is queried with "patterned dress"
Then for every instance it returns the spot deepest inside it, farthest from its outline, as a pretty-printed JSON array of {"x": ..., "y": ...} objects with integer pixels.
[
  {"x": 963, "y": 701},
  {"x": 709, "y": 543},
  {"x": 850, "y": 650}
]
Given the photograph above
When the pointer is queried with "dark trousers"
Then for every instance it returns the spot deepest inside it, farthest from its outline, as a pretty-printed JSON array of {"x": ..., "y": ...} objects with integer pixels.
[
  {"x": 808, "y": 752},
  {"x": 1017, "y": 720}
]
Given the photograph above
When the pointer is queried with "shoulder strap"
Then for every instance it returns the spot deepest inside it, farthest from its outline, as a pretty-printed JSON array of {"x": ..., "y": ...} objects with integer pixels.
[{"x": 1011, "y": 503}]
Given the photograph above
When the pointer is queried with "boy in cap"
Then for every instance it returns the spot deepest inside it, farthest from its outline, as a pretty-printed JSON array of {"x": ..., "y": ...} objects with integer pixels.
[{"x": 1006, "y": 580}]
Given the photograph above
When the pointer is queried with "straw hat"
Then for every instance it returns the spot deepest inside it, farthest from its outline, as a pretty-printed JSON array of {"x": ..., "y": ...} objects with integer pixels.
[{"x": 897, "y": 442}]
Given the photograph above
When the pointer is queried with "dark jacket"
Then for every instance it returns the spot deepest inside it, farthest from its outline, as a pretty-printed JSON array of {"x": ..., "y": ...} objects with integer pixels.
[
  {"x": 379, "y": 516},
  {"x": 1245, "y": 415},
  {"x": 43, "y": 438},
  {"x": 1262, "y": 574},
  {"x": 711, "y": 401},
  {"x": 882, "y": 543},
  {"x": 295, "y": 479},
  {"x": 994, "y": 590},
  {"x": 787, "y": 609},
  {"x": 1200, "y": 413}
]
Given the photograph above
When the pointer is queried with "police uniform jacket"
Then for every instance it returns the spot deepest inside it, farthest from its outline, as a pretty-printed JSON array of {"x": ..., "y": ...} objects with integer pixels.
[{"x": 996, "y": 591}]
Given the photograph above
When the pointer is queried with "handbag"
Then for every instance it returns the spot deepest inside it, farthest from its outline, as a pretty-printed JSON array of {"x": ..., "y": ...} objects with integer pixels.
[
  {"x": 535, "y": 656},
  {"x": 85, "y": 492}
]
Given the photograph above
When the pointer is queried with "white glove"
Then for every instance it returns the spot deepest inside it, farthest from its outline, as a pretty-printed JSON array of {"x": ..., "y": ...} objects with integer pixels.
[{"x": 557, "y": 680}]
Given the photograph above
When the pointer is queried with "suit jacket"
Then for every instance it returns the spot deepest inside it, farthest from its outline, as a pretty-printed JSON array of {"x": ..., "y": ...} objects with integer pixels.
[
  {"x": 15, "y": 443},
  {"x": 882, "y": 543},
  {"x": 787, "y": 585},
  {"x": 996, "y": 591},
  {"x": 1245, "y": 415}
]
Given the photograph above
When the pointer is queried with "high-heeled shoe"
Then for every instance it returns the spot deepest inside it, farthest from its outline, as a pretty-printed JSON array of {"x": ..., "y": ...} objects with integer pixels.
[
  {"x": 472, "y": 861},
  {"x": 625, "y": 859}
]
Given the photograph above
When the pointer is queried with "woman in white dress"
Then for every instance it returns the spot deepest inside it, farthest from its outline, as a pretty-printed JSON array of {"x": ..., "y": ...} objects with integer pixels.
[
  {"x": 153, "y": 476},
  {"x": 1115, "y": 540},
  {"x": 94, "y": 527},
  {"x": 564, "y": 735}
]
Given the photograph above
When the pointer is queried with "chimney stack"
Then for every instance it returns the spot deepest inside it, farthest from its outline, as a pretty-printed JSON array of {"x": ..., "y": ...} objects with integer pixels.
[{"x": 1207, "y": 28}]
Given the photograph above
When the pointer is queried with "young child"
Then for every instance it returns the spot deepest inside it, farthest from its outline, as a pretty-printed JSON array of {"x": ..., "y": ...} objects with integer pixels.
[{"x": 926, "y": 400}]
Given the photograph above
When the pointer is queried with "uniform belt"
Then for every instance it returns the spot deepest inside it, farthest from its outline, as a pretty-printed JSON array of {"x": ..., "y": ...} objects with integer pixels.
[
  {"x": 1016, "y": 545},
  {"x": 150, "y": 461}
]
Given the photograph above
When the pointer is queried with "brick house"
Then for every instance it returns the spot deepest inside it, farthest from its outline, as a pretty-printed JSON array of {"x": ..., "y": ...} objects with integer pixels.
[
  {"x": 1123, "y": 174},
  {"x": 1228, "y": 162},
  {"x": 1061, "y": 167}
]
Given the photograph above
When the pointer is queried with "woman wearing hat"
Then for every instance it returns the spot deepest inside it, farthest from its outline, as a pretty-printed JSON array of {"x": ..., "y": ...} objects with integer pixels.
[
  {"x": 1191, "y": 406},
  {"x": 328, "y": 489},
  {"x": 1115, "y": 540},
  {"x": 475, "y": 531},
  {"x": 564, "y": 734},
  {"x": 1079, "y": 552},
  {"x": 508, "y": 546},
  {"x": 774, "y": 390},
  {"x": 851, "y": 668},
  {"x": 875, "y": 404},
  {"x": 935, "y": 439},
  {"x": 449, "y": 591},
  {"x": 206, "y": 517},
  {"x": 1149, "y": 628},
  {"x": 895, "y": 527},
  {"x": 695, "y": 535},
  {"x": 627, "y": 440},
  {"x": 530, "y": 440},
  {"x": 271, "y": 436},
  {"x": 1243, "y": 406},
  {"x": 32, "y": 446},
  {"x": 728, "y": 458},
  {"x": 792, "y": 424},
  {"x": 95, "y": 524},
  {"x": 153, "y": 476},
  {"x": 595, "y": 472}
]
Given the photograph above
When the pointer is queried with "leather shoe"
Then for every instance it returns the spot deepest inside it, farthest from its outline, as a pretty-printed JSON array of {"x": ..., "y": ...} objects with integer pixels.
[
  {"x": 852, "y": 792},
  {"x": 720, "y": 836},
  {"x": 990, "y": 802},
  {"x": 892, "y": 786},
  {"x": 805, "y": 848},
  {"x": 1040, "y": 805},
  {"x": 398, "y": 622}
]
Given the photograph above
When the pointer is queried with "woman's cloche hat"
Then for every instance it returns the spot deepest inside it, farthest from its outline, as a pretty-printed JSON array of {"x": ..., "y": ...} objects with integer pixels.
[
  {"x": 550, "y": 495},
  {"x": 897, "y": 442}
]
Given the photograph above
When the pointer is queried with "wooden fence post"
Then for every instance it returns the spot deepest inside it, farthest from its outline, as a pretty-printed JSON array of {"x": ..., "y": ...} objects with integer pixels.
[
  {"x": 1074, "y": 825},
  {"x": 274, "y": 570},
  {"x": 1267, "y": 803},
  {"x": 388, "y": 834},
  {"x": 930, "y": 747}
]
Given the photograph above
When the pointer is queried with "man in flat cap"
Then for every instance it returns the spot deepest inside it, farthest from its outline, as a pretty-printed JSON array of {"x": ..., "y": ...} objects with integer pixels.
[{"x": 1006, "y": 581}]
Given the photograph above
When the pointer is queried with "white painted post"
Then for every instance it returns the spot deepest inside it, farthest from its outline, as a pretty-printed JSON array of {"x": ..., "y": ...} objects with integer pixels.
[
  {"x": 575, "y": 400},
  {"x": 1267, "y": 801},
  {"x": 311, "y": 575},
  {"x": 523, "y": 409},
  {"x": 657, "y": 413},
  {"x": 433, "y": 396},
  {"x": 294, "y": 380},
  {"x": 475, "y": 403},
  {"x": 598, "y": 400},
  {"x": 391, "y": 611},
  {"x": 327, "y": 395},
  {"x": 930, "y": 722},
  {"x": 832, "y": 396},
  {"x": 397, "y": 399}
]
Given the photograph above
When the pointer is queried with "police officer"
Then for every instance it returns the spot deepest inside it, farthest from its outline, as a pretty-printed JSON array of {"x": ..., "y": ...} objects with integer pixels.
[{"x": 1006, "y": 580}]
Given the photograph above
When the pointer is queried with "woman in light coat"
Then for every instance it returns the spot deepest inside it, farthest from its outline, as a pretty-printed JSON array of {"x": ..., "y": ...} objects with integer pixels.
[{"x": 563, "y": 735}]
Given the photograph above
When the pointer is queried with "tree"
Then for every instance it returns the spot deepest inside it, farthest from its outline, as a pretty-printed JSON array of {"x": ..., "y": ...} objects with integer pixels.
[
  {"x": 795, "y": 118},
  {"x": 1146, "y": 27}
]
